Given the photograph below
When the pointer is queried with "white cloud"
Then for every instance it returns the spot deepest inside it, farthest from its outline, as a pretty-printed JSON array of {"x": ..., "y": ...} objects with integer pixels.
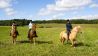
[
  {"x": 93, "y": 5},
  {"x": 10, "y": 13},
  {"x": 6, "y": 5},
  {"x": 56, "y": 16},
  {"x": 64, "y": 5},
  {"x": 86, "y": 17},
  {"x": 8, "y": 9}
]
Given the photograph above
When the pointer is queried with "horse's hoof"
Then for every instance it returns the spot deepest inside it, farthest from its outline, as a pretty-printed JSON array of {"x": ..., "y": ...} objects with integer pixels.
[
  {"x": 14, "y": 43},
  {"x": 72, "y": 45}
]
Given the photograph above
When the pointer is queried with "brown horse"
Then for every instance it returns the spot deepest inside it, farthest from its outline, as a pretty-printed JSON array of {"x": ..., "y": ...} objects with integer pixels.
[
  {"x": 14, "y": 33},
  {"x": 32, "y": 34}
]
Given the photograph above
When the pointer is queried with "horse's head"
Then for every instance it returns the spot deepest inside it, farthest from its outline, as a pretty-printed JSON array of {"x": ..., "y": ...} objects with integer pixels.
[
  {"x": 13, "y": 27},
  {"x": 79, "y": 28},
  {"x": 33, "y": 26}
]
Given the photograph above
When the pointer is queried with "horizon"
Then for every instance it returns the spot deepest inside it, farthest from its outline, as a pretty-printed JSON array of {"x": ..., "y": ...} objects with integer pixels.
[
  {"x": 48, "y": 9},
  {"x": 50, "y": 19}
]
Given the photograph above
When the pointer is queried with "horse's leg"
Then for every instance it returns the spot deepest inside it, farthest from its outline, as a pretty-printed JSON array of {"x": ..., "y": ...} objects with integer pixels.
[
  {"x": 13, "y": 40},
  {"x": 67, "y": 40},
  {"x": 30, "y": 40},
  {"x": 72, "y": 41},
  {"x": 63, "y": 40},
  {"x": 75, "y": 42},
  {"x": 34, "y": 39}
]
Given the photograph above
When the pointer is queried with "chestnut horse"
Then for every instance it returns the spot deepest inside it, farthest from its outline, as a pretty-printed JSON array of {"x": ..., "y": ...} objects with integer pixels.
[
  {"x": 32, "y": 34},
  {"x": 14, "y": 33}
]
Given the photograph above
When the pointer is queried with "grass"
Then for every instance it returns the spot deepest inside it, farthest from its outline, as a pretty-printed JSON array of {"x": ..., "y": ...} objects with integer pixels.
[{"x": 48, "y": 43}]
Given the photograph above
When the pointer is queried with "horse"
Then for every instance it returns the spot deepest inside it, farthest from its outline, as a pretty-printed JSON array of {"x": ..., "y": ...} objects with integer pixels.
[
  {"x": 14, "y": 33},
  {"x": 72, "y": 36},
  {"x": 32, "y": 34}
]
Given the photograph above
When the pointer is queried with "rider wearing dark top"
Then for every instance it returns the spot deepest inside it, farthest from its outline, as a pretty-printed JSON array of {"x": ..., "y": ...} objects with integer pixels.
[{"x": 68, "y": 28}]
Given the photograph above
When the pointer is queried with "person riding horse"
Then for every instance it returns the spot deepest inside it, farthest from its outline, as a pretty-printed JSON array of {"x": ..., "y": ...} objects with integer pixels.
[
  {"x": 14, "y": 32},
  {"x": 68, "y": 28},
  {"x": 14, "y": 24},
  {"x": 32, "y": 33},
  {"x": 32, "y": 26}
]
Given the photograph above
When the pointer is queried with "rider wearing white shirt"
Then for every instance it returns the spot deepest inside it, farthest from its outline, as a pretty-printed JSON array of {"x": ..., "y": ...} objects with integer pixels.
[{"x": 30, "y": 27}]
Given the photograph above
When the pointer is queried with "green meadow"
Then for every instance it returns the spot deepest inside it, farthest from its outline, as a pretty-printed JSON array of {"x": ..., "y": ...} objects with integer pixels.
[{"x": 48, "y": 41}]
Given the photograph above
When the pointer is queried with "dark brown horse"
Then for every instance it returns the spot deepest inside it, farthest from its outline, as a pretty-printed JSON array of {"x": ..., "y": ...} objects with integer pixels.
[
  {"x": 32, "y": 34},
  {"x": 14, "y": 33}
]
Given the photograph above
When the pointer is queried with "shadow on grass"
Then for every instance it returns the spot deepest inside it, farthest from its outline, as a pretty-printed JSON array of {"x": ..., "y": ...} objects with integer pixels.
[
  {"x": 23, "y": 41},
  {"x": 82, "y": 44},
  {"x": 42, "y": 42},
  {"x": 39, "y": 42},
  {"x": 3, "y": 45}
]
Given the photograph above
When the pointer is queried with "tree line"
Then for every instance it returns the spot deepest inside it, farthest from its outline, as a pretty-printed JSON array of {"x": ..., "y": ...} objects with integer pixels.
[
  {"x": 23, "y": 22},
  {"x": 19, "y": 22},
  {"x": 74, "y": 21}
]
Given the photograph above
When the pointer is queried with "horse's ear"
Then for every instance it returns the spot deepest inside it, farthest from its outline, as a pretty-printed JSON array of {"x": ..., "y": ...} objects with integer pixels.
[{"x": 79, "y": 26}]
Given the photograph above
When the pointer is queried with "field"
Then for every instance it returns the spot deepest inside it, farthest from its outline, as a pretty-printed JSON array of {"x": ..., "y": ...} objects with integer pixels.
[{"x": 48, "y": 43}]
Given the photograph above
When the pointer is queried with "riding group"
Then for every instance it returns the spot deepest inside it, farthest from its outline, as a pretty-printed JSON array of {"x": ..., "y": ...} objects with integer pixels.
[
  {"x": 31, "y": 33},
  {"x": 68, "y": 34}
]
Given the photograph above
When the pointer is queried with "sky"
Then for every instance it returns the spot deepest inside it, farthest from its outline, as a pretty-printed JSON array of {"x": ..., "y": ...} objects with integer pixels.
[{"x": 48, "y": 9}]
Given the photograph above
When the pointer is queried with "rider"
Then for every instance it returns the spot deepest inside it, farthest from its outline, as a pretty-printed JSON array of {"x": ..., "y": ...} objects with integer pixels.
[
  {"x": 68, "y": 28},
  {"x": 30, "y": 27},
  {"x": 14, "y": 24}
]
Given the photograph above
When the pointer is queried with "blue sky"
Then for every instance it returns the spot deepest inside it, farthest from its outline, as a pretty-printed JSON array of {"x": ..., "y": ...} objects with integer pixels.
[{"x": 48, "y": 9}]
